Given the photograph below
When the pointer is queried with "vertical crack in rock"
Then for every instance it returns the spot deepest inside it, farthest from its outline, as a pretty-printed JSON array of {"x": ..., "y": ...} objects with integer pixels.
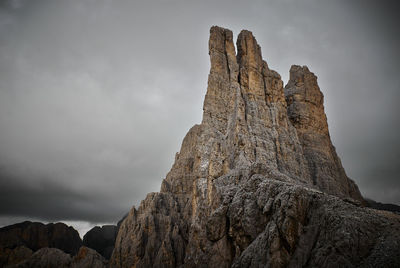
[{"x": 251, "y": 182}]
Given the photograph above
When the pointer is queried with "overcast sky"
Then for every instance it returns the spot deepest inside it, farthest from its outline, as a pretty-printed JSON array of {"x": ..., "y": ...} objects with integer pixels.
[{"x": 96, "y": 96}]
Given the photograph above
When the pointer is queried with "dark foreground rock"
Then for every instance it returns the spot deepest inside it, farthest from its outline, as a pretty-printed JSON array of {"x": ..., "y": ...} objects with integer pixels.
[
  {"x": 53, "y": 257},
  {"x": 87, "y": 257},
  {"x": 36, "y": 235},
  {"x": 258, "y": 183},
  {"x": 101, "y": 239},
  {"x": 19, "y": 241},
  {"x": 51, "y": 245},
  {"x": 9, "y": 256}
]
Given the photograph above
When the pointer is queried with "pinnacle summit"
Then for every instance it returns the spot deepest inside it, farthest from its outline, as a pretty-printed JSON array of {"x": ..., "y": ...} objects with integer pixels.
[{"x": 258, "y": 182}]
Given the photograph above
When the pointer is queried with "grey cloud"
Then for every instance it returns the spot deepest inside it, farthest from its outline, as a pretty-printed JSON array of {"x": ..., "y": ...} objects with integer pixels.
[
  {"x": 50, "y": 201},
  {"x": 96, "y": 96}
]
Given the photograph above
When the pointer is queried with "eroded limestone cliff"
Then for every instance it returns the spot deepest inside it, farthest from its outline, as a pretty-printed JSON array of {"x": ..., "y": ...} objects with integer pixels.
[{"x": 258, "y": 183}]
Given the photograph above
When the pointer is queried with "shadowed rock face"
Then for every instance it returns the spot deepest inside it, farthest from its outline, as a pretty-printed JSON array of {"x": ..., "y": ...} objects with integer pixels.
[
  {"x": 53, "y": 257},
  {"x": 47, "y": 257},
  {"x": 258, "y": 182},
  {"x": 36, "y": 235},
  {"x": 101, "y": 239},
  {"x": 11, "y": 256},
  {"x": 19, "y": 241},
  {"x": 87, "y": 257}
]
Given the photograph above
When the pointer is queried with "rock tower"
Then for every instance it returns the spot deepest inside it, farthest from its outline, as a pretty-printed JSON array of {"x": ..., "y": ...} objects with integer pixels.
[{"x": 258, "y": 182}]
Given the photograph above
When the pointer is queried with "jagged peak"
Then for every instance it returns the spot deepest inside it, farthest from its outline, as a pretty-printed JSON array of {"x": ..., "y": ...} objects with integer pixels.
[
  {"x": 301, "y": 74},
  {"x": 218, "y": 37},
  {"x": 222, "y": 52},
  {"x": 303, "y": 86},
  {"x": 249, "y": 51},
  {"x": 296, "y": 68},
  {"x": 246, "y": 102},
  {"x": 242, "y": 192}
]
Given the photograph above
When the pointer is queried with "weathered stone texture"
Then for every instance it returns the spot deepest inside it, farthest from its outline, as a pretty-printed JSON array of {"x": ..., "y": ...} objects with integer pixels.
[
  {"x": 258, "y": 182},
  {"x": 306, "y": 112},
  {"x": 10, "y": 256},
  {"x": 87, "y": 257},
  {"x": 53, "y": 257}
]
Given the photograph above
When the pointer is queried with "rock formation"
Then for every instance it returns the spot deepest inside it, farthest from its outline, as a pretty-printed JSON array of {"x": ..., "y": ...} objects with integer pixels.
[
  {"x": 47, "y": 257},
  {"x": 53, "y": 257},
  {"x": 19, "y": 241},
  {"x": 34, "y": 244},
  {"x": 258, "y": 182},
  {"x": 10, "y": 256},
  {"x": 87, "y": 257},
  {"x": 36, "y": 235},
  {"x": 306, "y": 112},
  {"x": 101, "y": 239}
]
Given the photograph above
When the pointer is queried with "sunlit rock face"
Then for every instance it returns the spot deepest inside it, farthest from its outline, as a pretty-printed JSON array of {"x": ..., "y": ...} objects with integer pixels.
[
  {"x": 258, "y": 182},
  {"x": 306, "y": 112}
]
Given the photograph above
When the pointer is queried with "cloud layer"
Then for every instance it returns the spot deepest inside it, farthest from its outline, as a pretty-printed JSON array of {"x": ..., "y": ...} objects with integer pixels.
[{"x": 96, "y": 96}]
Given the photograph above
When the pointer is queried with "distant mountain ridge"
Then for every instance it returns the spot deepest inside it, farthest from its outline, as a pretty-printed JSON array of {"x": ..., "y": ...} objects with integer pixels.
[
  {"x": 382, "y": 206},
  {"x": 36, "y": 235},
  {"x": 34, "y": 244}
]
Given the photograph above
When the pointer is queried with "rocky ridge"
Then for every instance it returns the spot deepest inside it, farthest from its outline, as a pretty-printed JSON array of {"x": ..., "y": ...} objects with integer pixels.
[
  {"x": 258, "y": 182},
  {"x": 19, "y": 241},
  {"x": 386, "y": 207},
  {"x": 34, "y": 244}
]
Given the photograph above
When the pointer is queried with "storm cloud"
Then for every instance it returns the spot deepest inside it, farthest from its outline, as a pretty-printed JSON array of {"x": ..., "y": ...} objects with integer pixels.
[{"x": 96, "y": 96}]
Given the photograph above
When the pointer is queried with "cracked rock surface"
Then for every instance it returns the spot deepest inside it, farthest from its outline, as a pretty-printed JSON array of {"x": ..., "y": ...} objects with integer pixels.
[
  {"x": 54, "y": 257},
  {"x": 258, "y": 183}
]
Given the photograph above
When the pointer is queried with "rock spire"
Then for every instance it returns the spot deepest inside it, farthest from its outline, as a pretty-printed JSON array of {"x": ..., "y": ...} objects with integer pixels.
[
  {"x": 258, "y": 182},
  {"x": 306, "y": 112}
]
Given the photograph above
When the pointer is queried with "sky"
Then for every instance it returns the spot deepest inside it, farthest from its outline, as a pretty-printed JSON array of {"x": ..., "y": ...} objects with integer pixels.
[{"x": 96, "y": 96}]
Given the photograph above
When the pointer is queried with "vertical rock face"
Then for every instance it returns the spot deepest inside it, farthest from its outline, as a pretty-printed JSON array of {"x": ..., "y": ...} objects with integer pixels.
[
  {"x": 250, "y": 187},
  {"x": 306, "y": 112}
]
